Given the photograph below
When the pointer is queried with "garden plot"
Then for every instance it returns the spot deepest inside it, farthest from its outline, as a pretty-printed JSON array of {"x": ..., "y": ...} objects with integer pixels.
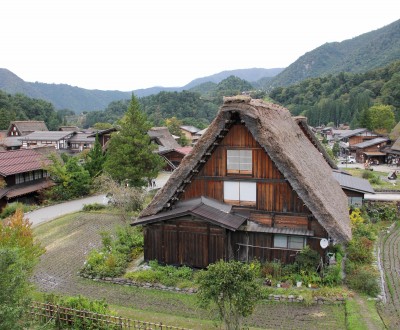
[
  {"x": 69, "y": 239},
  {"x": 390, "y": 249}
]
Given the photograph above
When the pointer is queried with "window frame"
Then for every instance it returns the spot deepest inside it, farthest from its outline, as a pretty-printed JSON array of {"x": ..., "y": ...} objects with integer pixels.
[
  {"x": 289, "y": 244},
  {"x": 234, "y": 190},
  {"x": 239, "y": 164}
]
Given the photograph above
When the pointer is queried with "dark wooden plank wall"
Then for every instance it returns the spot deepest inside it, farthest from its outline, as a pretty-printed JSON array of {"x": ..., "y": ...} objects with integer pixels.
[
  {"x": 274, "y": 193},
  {"x": 260, "y": 247},
  {"x": 184, "y": 242}
]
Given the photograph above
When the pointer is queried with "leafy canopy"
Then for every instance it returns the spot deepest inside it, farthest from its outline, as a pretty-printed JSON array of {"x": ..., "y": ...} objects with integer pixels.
[
  {"x": 18, "y": 255},
  {"x": 131, "y": 156},
  {"x": 232, "y": 287}
]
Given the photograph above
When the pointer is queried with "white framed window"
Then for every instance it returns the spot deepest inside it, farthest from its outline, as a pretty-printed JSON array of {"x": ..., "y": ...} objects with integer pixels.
[
  {"x": 240, "y": 192},
  {"x": 239, "y": 161},
  {"x": 289, "y": 242}
]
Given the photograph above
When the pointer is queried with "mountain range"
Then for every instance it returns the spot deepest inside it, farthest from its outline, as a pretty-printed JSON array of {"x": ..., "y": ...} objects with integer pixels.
[{"x": 360, "y": 54}]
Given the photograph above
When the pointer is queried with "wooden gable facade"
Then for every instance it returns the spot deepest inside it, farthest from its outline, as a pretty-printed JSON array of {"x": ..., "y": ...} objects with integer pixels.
[{"x": 248, "y": 208}]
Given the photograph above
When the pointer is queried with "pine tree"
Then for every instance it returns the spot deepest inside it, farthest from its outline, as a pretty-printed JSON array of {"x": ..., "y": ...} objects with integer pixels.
[{"x": 130, "y": 154}]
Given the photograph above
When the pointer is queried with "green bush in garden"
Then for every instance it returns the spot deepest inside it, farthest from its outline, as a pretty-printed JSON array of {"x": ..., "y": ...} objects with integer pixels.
[
  {"x": 165, "y": 275},
  {"x": 112, "y": 259}
]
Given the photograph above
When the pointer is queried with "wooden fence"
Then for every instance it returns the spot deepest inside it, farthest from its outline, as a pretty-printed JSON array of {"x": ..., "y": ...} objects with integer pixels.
[{"x": 63, "y": 317}]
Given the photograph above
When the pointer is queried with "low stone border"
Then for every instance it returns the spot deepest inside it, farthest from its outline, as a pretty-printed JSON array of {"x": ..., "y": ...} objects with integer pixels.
[
  {"x": 157, "y": 286},
  {"x": 128, "y": 282},
  {"x": 300, "y": 299}
]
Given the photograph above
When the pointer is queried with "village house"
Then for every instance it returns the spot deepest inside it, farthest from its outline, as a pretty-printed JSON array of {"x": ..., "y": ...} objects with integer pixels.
[
  {"x": 57, "y": 139},
  {"x": 104, "y": 136},
  {"x": 254, "y": 186},
  {"x": 168, "y": 148},
  {"x": 371, "y": 150},
  {"x": 22, "y": 175},
  {"x": 25, "y": 127},
  {"x": 354, "y": 188},
  {"x": 189, "y": 132}
]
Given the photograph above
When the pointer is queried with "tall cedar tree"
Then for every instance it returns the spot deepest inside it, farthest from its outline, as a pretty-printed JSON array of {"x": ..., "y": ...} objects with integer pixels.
[{"x": 130, "y": 154}]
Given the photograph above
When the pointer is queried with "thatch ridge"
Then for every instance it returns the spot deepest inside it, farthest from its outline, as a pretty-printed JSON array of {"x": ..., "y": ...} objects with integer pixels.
[{"x": 291, "y": 151}]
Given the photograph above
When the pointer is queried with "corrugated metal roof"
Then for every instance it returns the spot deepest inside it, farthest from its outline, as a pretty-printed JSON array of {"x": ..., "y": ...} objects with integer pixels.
[
  {"x": 254, "y": 227},
  {"x": 371, "y": 142},
  {"x": 205, "y": 208},
  {"x": 20, "y": 161},
  {"x": 353, "y": 183}
]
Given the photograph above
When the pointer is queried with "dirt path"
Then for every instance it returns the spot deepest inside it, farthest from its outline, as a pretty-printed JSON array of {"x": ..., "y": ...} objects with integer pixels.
[
  {"x": 69, "y": 239},
  {"x": 390, "y": 258}
]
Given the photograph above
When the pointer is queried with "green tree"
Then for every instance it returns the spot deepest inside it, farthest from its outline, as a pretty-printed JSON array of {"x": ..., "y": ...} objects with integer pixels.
[
  {"x": 233, "y": 288},
  {"x": 95, "y": 159},
  {"x": 131, "y": 156},
  {"x": 381, "y": 118},
  {"x": 72, "y": 179},
  {"x": 336, "y": 149},
  {"x": 18, "y": 255},
  {"x": 174, "y": 127}
]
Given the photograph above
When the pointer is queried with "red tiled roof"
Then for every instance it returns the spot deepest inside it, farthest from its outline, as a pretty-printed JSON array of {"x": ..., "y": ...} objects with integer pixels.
[
  {"x": 184, "y": 150},
  {"x": 20, "y": 161}
]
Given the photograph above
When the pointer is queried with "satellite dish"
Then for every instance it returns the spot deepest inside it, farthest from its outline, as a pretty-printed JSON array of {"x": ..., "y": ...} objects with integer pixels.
[{"x": 324, "y": 243}]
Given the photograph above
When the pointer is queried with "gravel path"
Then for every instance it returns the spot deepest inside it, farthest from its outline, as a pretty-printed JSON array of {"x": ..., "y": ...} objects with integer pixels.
[{"x": 51, "y": 212}]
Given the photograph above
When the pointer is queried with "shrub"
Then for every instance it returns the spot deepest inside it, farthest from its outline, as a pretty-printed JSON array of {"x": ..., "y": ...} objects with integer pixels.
[
  {"x": 93, "y": 207},
  {"x": 375, "y": 179},
  {"x": 80, "y": 303},
  {"x": 308, "y": 260},
  {"x": 367, "y": 175},
  {"x": 332, "y": 275},
  {"x": 360, "y": 250},
  {"x": 166, "y": 275},
  {"x": 112, "y": 259},
  {"x": 364, "y": 279},
  {"x": 10, "y": 209}
]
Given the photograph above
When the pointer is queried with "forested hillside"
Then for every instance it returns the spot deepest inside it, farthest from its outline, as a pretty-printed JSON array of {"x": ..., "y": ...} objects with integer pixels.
[
  {"x": 343, "y": 98},
  {"x": 197, "y": 107},
  {"x": 21, "y": 107},
  {"x": 360, "y": 54}
]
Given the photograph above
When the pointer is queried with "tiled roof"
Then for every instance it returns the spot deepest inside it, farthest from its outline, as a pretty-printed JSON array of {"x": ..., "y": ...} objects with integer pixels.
[
  {"x": 184, "y": 150},
  {"x": 28, "y": 187},
  {"x": 83, "y": 137},
  {"x": 349, "y": 182},
  {"x": 205, "y": 208},
  {"x": 371, "y": 142},
  {"x": 21, "y": 161},
  {"x": 47, "y": 136},
  {"x": 191, "y": 129}
]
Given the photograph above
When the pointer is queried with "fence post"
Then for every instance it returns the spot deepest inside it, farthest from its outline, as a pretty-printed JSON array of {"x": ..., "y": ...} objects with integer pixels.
[{"x": 58, "y": 321}]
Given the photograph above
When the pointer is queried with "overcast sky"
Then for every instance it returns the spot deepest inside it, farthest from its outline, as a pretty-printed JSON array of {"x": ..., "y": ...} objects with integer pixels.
[{"x": 131, "y": 44}]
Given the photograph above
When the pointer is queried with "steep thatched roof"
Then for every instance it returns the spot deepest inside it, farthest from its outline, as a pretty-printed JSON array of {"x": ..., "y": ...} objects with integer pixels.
[
  {"x": 288, "y": 147},
  {"x": 163, "y": 138},
  {"x": 28, "y": 126},
  {"x": 302, "y": 122}
]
